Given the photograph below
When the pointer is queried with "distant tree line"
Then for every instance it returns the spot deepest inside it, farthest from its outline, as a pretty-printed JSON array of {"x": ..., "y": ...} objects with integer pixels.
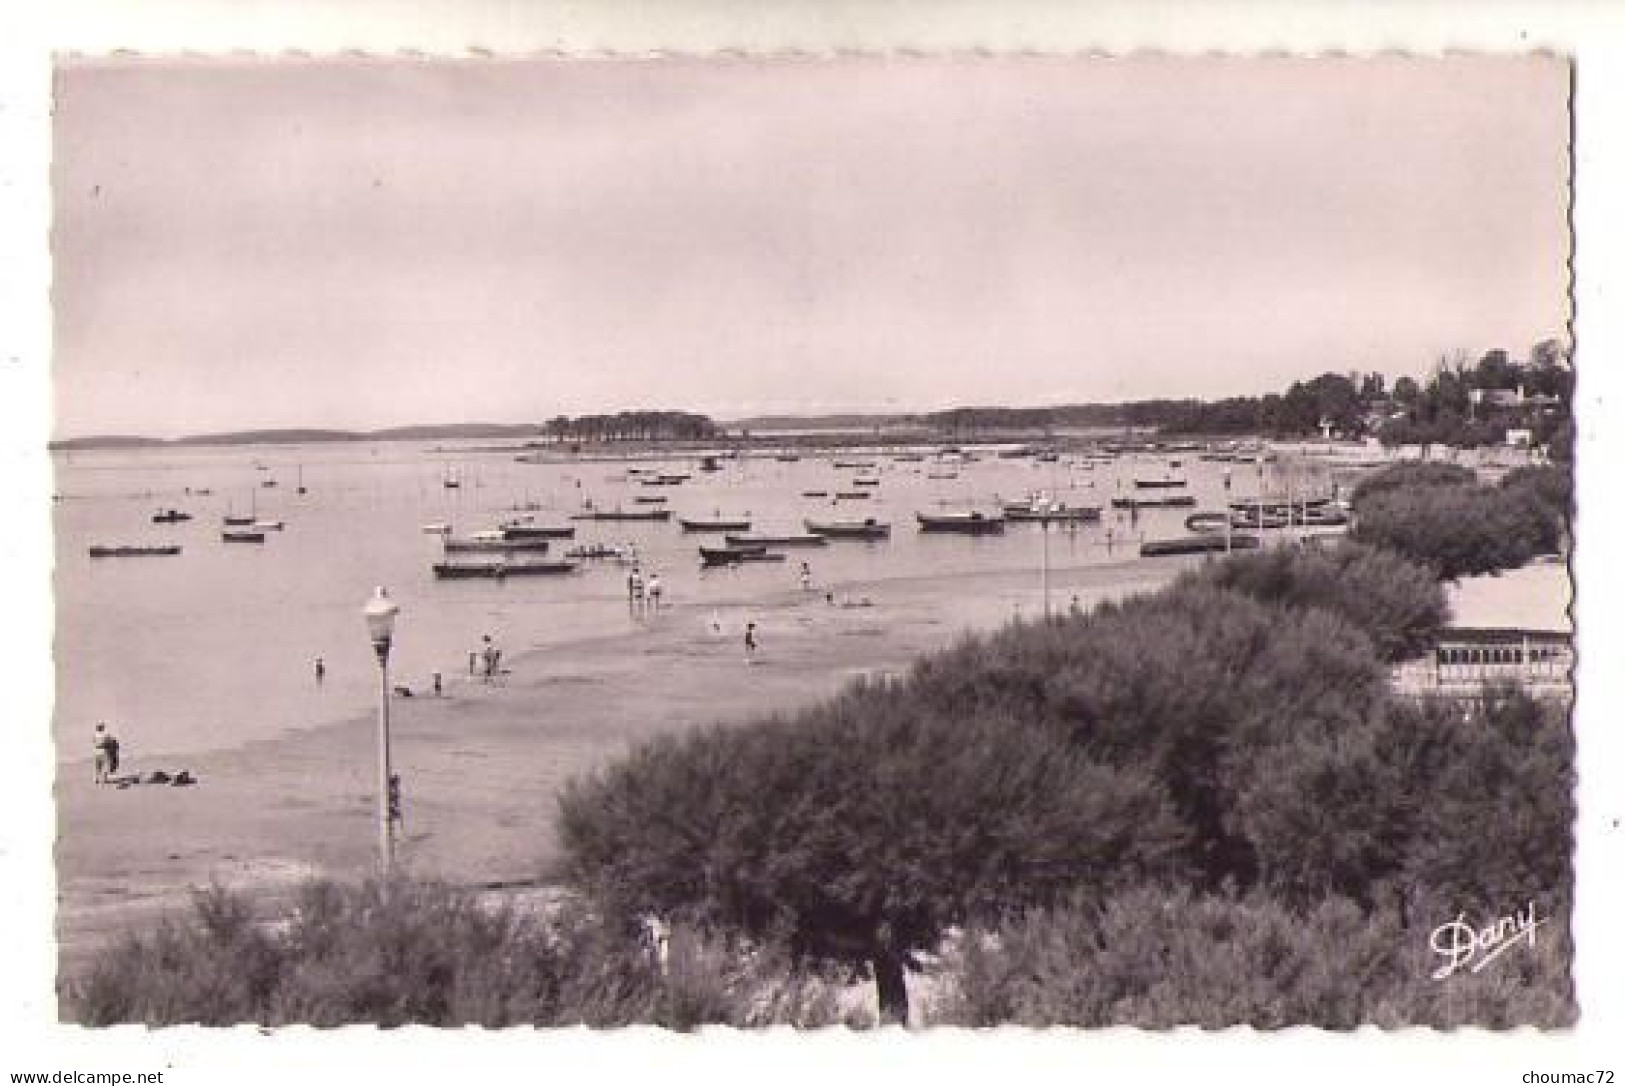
[
  {"x": 1460, "y": 405},
  {"x": 631, "y": 426}
]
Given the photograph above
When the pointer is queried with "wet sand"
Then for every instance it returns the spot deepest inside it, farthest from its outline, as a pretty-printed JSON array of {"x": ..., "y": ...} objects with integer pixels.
[{"x": 481, "y": 767}]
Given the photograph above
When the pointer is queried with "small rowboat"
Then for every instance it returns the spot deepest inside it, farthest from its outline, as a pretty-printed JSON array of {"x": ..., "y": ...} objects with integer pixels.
[
  {"x": 242, "y": 535},
  {"x": 1174, "y": 502},
  {"x": 237, "y": 520},
  {"x": 523, "y": 529},
  {"x": 851, "y": 495},
  {"x": 815, "y": 493},
  {"x": 807, "y": 539},
  {"x": 594, "y": 550},
  {"x": 973, "y": 523},
  {"x": 1021, "y": 511},
  {"x": 649, "y": 499},
  {"x": 1158, "y": 484},
  {"x": 715, "y": 524},
  {"x": 868, "y": 528},
  {"x": 494, "y": 542},
  {"x": 1206, "y": 523},
  {"x": 727, "y": 556},
  {"x": 134, "y": 552},
  {"x": 1197, "y": 544},
  {"x": 499, "y": 569},
  {"x": 267, "y": 526}
]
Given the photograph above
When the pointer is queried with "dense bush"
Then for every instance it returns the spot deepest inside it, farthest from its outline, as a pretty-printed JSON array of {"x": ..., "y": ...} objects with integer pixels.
[
  {"x": 1158, "y": 960},
  {"x": 1397, "y": 603},
  {"x": 1410, "y": 474},
  {"x": 1436, "y": 514},
  {"x": 860, "y": 830},
  {"x": 1458, "y": 531},
  {"x": 1219, "y": 698}
]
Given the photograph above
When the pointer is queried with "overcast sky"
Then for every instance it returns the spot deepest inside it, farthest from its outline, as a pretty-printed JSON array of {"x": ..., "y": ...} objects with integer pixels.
[{"x": 361, "y": 243}]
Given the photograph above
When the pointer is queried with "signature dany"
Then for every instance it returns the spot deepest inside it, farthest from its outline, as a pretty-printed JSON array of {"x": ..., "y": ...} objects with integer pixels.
[{"x": 1463, "y": 946}]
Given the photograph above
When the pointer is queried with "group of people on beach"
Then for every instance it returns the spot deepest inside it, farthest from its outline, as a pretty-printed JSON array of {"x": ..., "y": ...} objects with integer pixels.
[{"x": 641, "y": 592}]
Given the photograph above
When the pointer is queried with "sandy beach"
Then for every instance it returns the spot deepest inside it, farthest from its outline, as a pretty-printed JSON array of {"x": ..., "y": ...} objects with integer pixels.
[{"x": 482, "y": 765}]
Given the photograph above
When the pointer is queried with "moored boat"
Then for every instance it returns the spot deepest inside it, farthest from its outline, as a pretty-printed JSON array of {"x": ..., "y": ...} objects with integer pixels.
[
  {"x": 868, "y": 528},
  {"x": 1207, "y": 523},
  {"x": 970, "y": 523},
  {"x": 493, "y": 543},
  {"x": 851, "y": 495},
  {"x": 725, "y": 556},
  {"x": 237, "y": 520},
  {"x": 1173, "y": 501},
  {"x": 500, "y": 568},
  {"x": 1158, "y": 484},
  {"x": 266, "y": 526},
  {"x": 1026, "y": 511},
  {"x": 1197, "y": 544},
  {"x": 170, "y": 516},
  {"x": 100, "y": 551},
  {"x": 713, "y": 524},
  {"x": 242, "y": 535},
  {"x": 799, "y": 539},
  {"x": 524, "y": 529}
]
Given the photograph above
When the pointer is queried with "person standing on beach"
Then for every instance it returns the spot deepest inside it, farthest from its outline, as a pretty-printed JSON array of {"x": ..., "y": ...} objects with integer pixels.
[
  {"x": 105, "y": 745},
  {"x": 750, "y": 642},
  {"x": 321, "y": 670},
  {"x": 654, "y": 591},
  {"x": 806, "y": 577}
]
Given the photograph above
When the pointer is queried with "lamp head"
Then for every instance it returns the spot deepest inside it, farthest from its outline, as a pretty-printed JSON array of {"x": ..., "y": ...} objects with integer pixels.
[{"x": 380, "y": 613}]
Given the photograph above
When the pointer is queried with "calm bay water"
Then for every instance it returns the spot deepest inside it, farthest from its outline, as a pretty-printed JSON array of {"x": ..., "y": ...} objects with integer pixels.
[{"x": 215, "y": 647}]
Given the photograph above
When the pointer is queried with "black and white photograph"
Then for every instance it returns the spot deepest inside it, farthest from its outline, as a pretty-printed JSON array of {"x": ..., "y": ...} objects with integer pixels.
[{"x": 906, "y": 543}]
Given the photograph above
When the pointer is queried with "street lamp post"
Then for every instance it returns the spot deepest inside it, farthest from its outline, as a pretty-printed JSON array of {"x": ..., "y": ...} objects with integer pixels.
[
  {"x": 380, "y": 613},
  {"x": 1044, "y": 506}
]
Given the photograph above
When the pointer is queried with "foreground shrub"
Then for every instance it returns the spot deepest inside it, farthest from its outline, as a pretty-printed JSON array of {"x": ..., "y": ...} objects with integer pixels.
[
  {"x": 1395, "y": 602},
  {"x": 423, "y": 953},
  {"x": 859, "y": 831},
  {"x": 1490, "y": 818},
  {"x": 1157, "y": 960}
]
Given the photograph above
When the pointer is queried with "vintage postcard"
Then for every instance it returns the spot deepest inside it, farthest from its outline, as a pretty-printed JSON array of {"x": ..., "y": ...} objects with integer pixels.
[{"x": 751, "y": 541}]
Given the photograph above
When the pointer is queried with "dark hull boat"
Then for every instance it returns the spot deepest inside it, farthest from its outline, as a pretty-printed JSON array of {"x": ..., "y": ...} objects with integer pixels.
[
  {"x": 808, "y": 539},
  {"x": 714, "y": 525},
  {"x": 242, "y": 536},
  {"x": 1197, "y": 544},
  {"x": 499, "y": 570},
  {"x": 727, "y": 556},
  {"x": 1158, "y": 484},
  {"x": 1175, "y": 501},
  {"x": 962, "y": 523},
  {"x": 134, "y": 552},
  {"x": 517, "y": 530},
  {"x": 496, "y": 545},
  {"x": 170, "y": 516}
]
